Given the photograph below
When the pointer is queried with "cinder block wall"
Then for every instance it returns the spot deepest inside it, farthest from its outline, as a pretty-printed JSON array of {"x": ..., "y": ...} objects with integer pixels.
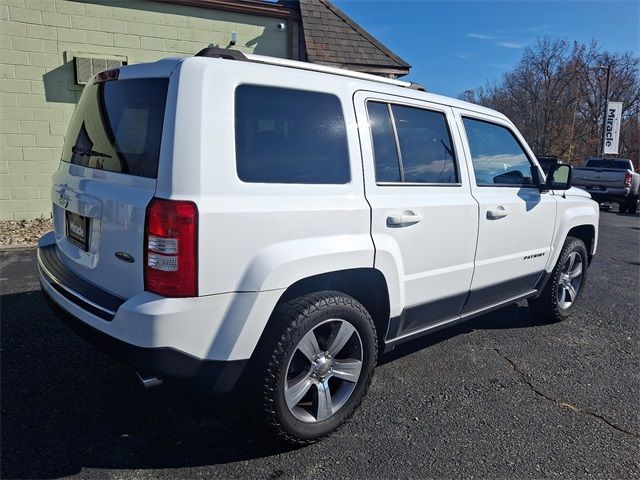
[{"x": 37, "y": 83}]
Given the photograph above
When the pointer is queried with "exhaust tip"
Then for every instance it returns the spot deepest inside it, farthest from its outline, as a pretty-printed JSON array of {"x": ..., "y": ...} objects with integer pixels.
[{"x": 149, "y": 381}]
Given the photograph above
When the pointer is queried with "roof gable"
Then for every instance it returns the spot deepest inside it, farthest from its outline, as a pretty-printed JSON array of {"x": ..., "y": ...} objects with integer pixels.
[{"x": 331, "y": 37}]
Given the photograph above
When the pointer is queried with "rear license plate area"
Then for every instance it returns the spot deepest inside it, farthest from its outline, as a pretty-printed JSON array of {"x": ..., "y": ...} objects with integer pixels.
[{"x": 77, "y": 228}]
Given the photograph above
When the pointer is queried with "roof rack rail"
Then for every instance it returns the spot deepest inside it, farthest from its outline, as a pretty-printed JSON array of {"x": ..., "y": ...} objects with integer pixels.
[
  {"x": 217, "y": 52},
  {"x": 230, "y": 54},
  {"x": 417, "y": 86}
]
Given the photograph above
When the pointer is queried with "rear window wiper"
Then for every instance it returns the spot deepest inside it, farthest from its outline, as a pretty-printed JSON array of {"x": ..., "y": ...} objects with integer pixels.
[{"x": 84, "y": 152}]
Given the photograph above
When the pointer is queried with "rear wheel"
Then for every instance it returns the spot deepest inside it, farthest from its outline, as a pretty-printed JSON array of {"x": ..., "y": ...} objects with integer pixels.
[
  {"x": 558, "y": 299},
  {"x": 632, "y": 204},
  {"x": 623, "y": 207},
  {"x": 319, "y": 367}
]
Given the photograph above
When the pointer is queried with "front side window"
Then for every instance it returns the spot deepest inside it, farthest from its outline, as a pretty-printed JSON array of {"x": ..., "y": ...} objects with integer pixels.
[
  {"x": 498, "y": 158},
  {"x": 411, "y": 145},
  {"x": 290, "y": 136}
]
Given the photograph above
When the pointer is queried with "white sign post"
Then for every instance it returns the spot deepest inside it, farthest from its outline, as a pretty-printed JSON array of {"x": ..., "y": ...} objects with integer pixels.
[{"x": 612, "y": 127}]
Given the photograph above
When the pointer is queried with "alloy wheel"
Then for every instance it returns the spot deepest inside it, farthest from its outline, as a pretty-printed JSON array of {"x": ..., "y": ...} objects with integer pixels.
[
  {"x": 323, "y": 371},
  {"x": 570, "y": 280}
]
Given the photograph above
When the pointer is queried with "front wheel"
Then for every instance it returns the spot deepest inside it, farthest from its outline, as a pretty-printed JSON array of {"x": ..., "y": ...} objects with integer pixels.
[
  {"x": 559, "y": 297},
  {"x": 319, "y": 366}
]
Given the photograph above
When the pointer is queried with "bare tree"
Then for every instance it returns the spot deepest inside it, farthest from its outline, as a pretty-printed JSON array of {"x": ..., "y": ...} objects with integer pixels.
[{"x": 556, "y": 93}]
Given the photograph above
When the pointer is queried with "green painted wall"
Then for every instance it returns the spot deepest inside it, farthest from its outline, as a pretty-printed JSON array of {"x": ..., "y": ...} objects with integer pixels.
[{"x": 37, "y": 90}]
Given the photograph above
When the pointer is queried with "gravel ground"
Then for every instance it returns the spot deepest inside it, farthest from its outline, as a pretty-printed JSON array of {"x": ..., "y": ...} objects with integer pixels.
[
  {"x": 504, "y": 396},
  {"x": 23, "y": 232}
]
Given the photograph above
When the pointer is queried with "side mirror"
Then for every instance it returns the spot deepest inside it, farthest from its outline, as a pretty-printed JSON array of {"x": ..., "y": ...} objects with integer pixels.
[{"x": 559, "y": 177}]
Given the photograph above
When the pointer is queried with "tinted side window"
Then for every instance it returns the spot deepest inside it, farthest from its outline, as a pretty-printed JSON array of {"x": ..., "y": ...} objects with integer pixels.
[
  {"x": 290, "y": 136},
  {"x": 385, "y": 149},
  {"x": 426, "y": 148},
  {"x": 497, "y": 156}
]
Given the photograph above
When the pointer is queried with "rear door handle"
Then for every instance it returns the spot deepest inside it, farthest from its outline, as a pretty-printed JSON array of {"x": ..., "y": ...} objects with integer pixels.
[
  {"x": 403, "y": 219},
  {"x": 498, "y": 212}
]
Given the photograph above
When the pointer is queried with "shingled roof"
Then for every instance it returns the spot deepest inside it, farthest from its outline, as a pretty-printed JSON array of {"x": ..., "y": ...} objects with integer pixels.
[{"x": 332, "y": 38}]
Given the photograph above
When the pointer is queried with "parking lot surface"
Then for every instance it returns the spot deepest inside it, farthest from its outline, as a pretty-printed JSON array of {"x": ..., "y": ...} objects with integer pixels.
[{"x": 504, "y": 396}]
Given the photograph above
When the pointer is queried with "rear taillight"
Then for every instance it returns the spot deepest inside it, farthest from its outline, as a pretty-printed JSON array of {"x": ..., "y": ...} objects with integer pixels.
[
  {"x": 171, "y": 248},
  {"x": 627, "y": 179}
]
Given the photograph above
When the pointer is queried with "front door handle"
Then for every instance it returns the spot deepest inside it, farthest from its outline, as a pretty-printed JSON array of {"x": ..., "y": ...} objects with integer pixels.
[
  {"x": 498, "y": 212},
  {"x": 403, "y": 219}
]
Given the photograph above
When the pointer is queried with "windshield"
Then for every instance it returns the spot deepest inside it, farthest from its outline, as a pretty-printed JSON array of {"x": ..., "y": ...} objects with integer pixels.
[
  {"x": 117, "y": 126},
  {"x": 604, "y": 163}
]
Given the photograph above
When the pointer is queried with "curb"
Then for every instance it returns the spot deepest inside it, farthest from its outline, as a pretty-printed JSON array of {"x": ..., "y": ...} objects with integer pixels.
[{"x": 13, "y": 248}]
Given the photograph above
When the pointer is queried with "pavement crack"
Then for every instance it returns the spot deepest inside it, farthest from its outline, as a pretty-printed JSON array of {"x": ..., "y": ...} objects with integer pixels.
[{"x": 569, "y": 406}]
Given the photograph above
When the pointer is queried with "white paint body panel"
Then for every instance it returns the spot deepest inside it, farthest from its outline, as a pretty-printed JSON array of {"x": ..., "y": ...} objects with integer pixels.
[
  {"x": 324, "y": 225},
  {"x": 527, "y": 230},
  {"x": 575, "y": 209},
  {"x": 256, "y": 240},
  {"x": 433, "y": 258}
]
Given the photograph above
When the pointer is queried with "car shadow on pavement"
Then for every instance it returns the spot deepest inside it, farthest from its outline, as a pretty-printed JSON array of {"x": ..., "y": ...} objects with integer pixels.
[
  {"x": 511, "y": 317},
  {"x": 68, "y": 407}
]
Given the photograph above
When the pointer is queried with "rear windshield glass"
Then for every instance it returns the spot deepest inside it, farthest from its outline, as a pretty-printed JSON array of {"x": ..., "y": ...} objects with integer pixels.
[
  {"x": 117, "y": 126},
  {"x": 616, "y": 164}
]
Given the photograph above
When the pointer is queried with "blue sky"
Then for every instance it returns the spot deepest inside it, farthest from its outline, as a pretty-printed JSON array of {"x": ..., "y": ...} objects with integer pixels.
[{"x": 457, "y": 45}]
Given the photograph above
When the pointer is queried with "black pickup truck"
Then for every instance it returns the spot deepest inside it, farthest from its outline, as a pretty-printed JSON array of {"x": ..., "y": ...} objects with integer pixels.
[{"x": 609, "y": 180}]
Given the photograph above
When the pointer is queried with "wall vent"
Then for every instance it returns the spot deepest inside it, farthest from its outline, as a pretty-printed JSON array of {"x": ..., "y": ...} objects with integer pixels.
[{"x": 86, "y": 66}]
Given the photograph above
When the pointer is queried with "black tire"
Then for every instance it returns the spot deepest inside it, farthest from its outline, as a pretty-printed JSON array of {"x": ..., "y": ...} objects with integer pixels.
[
  {"x": 289, "y": 325},
  {"x": 623, "y": 207},
  {"x": 632, "y": 205},
  {"x": 548, "y": 305}
]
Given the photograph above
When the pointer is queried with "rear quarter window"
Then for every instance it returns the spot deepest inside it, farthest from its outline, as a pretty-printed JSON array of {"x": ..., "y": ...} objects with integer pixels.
[
  {"x": 117, "y": 126},
  {"x": 290, "y": 136}
]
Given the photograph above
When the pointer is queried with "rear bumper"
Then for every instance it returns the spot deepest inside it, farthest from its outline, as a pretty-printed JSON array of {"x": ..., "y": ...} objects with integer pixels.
[
  {"x": 197, "y": 339},
  {"x": 607, "y": 194},
  {"x": 210, "y": 376}
]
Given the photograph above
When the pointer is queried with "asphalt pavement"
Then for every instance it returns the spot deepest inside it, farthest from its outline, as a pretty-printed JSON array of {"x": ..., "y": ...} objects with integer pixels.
[{"x": 504, "y": 396}]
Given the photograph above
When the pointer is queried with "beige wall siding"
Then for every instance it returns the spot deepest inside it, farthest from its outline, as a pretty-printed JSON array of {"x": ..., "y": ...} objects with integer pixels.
[{"x": 37, "y": 91}]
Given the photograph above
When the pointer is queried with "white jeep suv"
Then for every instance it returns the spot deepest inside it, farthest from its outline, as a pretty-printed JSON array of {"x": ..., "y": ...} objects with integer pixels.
[{"x": 229, "y": 217}]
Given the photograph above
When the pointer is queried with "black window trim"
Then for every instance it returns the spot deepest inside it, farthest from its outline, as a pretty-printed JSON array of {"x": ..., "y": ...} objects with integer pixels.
[
  {"x": 402, "y": 183},
  {"x": 515, "y": 137},
  {"x": 396, "y": 139},
  {"x": 286, "y": 184}
]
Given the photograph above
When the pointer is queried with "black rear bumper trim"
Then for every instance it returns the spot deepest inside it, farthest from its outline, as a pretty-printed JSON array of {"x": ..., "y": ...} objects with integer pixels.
[
  {"x": 209, "y": 376},
  {"x": 74, "y": 288}
]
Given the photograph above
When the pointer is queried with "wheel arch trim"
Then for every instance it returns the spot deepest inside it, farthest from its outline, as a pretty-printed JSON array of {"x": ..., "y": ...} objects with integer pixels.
[
  {"x": 580, "y": 221},
  {"x": 367, "y": 285}
]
